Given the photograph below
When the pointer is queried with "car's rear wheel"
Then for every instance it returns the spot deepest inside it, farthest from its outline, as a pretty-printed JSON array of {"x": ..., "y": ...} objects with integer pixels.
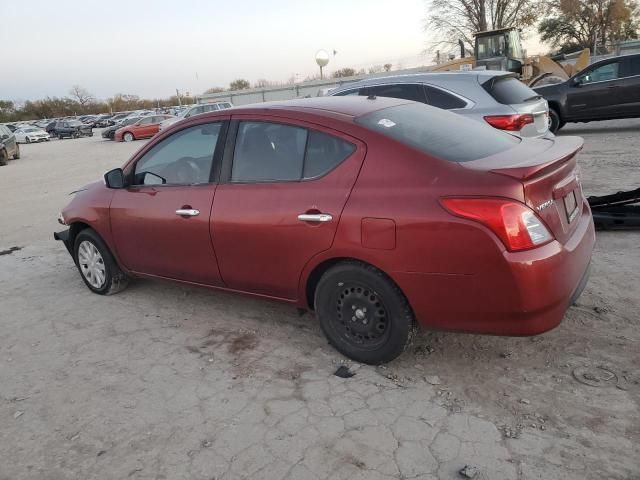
[
  {"x": 363, "y": 313},
  {"x": 97, "y": 266},
  {"x": 555, "y": 122},
  {"x": 128, "y": 137},
  {"x": 16, "y": 156},
  {"x": 4, "y": 158}
]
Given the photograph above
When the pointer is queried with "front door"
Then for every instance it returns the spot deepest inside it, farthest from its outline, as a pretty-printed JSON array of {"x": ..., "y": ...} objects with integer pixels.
[
  {"x": 284, "y": 188},
  {"x": 160, "y": 222},
  {"x": 595, "y": 93}
]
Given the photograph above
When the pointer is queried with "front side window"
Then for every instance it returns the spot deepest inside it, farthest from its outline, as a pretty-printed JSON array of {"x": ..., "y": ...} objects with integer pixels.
[
  {"x": 404, "y": 91},
  {"x": 275, "y": 152},
  {"x": 184, "y": 158},
  {"x": 602, "y": 73},
  {"x": 347, "y": 93},
  {"x": 145, "y": 121}
]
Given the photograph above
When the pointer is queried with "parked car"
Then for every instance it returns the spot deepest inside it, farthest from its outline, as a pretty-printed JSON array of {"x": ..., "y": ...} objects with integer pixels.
[
  {"x": 496, "y": 98},
  {"x": 71, "y": 129},
  {"x": 195, "y": 110},
  {"x": 31, "y": 134},
  {"x": 606, "y": 90},
  {"x": 103, "y": 121},
  {"x": 109, "y": 132},
  {"x": 9, "y": 144},
  {"x": 119, "y": 116},
  {"x": 374, "y": 213},
  {"x": 42, "y": 123},
  {"x": 146, "y": 127}
]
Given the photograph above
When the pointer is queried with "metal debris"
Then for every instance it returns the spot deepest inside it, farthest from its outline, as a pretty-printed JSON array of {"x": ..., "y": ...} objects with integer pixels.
[
  {"x": 468, "y": 471},
  {"x": 433, "y": 379},
  {"x": 595, "y": 376},
  {"x": 343, "y": 372},
  {"x": 18, "y": 414}
]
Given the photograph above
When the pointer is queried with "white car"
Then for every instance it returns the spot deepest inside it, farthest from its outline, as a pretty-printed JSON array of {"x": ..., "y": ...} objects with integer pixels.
[{"x": 30, "y": 135}]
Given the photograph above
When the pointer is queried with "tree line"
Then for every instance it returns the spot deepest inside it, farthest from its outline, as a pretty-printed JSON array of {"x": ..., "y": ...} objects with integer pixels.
[{"x": 564, "y": 25}]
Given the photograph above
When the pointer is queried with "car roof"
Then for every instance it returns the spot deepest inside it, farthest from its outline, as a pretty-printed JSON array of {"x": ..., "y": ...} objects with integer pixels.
[
  {"x": 323, "y": 106},
  {"x": 471, "y": 75}
]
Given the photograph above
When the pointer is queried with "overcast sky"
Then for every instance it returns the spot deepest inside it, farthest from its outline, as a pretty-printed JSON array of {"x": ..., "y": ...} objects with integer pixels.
[{"x": 150, "y": 48}]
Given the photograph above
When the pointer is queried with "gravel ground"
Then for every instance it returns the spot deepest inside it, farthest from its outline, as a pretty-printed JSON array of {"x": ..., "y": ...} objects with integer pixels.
[{"x": 169, "y": 382}]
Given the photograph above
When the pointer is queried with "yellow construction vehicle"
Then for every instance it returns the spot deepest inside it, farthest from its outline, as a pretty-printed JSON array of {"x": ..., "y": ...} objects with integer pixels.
[{"x": 502, "y": 50}]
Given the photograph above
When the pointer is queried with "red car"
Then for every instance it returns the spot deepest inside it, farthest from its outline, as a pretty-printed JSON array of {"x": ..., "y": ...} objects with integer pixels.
[
  {"x": 379, "y": 214},
  {"x": 146, "y": 127}
]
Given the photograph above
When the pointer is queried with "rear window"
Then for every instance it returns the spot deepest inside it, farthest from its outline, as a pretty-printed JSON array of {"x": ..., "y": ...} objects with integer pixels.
[
  {"x": 509, "y": 90},
  {"x": 439, "y": 133}
]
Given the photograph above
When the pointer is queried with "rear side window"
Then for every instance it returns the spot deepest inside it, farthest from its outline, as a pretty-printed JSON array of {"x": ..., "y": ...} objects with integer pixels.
[
  {"x": 404, "y": 91},
  {"x": 441, "y": 99},
  {"x": 435, "y": 132},
  {"x": 324, "y": 152},
  {"x": 268, "y": 152},
  {"x": 509, "y": 90}
]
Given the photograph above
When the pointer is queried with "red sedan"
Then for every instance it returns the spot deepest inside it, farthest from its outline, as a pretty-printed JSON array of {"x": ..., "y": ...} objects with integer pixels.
[
  {"x": 146, "y": 127},
  {"x": 379, "y": 214}
]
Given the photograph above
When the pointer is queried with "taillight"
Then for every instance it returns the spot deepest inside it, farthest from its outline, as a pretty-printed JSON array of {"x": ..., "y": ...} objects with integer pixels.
[
  {"x": 514, "y": 223},
  {"x": 513, "y": 123}
]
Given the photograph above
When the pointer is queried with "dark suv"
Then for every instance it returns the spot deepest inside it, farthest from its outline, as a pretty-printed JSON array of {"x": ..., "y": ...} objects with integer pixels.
[
  {"x": 71, "y": 129},
  {"x": 606, "y": 90},
  {"x": 9, "y": 148}
]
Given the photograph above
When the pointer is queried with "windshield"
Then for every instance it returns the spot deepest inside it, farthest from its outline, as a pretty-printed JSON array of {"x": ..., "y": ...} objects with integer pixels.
[
  {"x": 489, "y": 47},
  {"x": 129, "y": 121},
  {"x": 26, "y": 130},
  {"x": 437, "y": 132}
]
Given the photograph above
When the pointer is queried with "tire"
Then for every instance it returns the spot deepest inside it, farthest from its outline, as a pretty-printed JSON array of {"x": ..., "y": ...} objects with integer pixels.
[
  {"x": 128, "y": 137},
  {"x": 363, "y": 314},
  {"x": 4, "y": 158},
  {"x": 16, "y": 156},
  {"x": 555, "y": 122},
  {"x": 28, "y": 140},
  {"x": 60, "y": 137},
  {"x": 100, "y": 272}
]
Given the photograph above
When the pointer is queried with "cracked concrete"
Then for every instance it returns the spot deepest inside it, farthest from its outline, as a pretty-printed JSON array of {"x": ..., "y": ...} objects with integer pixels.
[{"x": 170, "y": 382}]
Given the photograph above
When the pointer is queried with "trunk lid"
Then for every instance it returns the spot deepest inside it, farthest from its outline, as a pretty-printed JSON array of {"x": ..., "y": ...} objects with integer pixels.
[{"x": 547, "y": 171}]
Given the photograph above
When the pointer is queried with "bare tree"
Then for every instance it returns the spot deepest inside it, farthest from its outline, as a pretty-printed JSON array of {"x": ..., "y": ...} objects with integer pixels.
[
  {"x": 454, "y": 20},
  {"x": 81, "y": 95},
  {"x": 214, "y": 90},
  {"x": 575, "y": 24}
]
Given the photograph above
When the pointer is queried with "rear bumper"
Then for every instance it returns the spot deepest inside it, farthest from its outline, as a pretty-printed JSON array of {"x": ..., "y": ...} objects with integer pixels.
[
  {"x": 63, "y": 237},
  {"x": 527, "y": 294}
]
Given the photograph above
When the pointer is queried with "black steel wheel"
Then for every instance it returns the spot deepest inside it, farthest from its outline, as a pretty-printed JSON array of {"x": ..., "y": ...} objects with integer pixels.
[{"x": 363, "y": 313}]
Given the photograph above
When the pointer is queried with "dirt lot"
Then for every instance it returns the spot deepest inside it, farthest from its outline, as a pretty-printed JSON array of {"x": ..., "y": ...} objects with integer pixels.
[{"x": 170, "y": 382}]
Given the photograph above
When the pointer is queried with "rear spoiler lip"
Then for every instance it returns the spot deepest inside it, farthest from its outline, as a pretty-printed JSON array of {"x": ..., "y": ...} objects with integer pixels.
[{"x": 534, "y": 163}]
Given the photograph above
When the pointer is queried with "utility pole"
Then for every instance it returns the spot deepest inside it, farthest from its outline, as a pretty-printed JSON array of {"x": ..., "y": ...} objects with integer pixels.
[{"x": 178, "y": 95}]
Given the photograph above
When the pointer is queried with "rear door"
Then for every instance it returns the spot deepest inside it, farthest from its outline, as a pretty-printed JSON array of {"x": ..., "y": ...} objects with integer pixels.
[
  {"x": 285, "y": 185},
  {"x": 596, "y": 93}
]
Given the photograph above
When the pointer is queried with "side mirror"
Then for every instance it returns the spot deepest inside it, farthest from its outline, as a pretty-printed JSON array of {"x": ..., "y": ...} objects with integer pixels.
[
  {"x": 577, "y": 82},
  {"x": 4, "y": 137},
  {"x": 114, "y": 178}
]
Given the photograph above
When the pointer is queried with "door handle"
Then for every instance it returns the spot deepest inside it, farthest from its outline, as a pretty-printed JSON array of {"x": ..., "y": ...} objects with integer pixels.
[
  {"x": 187, "y": 212},
  {"x": 315, "y": 217}
]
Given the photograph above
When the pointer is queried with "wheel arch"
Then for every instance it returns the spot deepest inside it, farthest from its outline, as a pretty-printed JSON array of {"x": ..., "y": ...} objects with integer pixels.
[{"x": 314, "y": 276}]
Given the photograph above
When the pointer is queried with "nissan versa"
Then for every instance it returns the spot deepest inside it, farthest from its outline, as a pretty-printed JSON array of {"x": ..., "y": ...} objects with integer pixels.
[{"x": 380, "y": 214}]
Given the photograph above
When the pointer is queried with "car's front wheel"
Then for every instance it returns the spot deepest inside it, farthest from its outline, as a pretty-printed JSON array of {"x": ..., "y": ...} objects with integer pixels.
[
  {"x": 363, "y": 313},
  {"x": 28, "y": 140},
  {"x": 128, "y": 137},
  {"x": 97, "y": 266},
  {"x": 4, "y": 158}
]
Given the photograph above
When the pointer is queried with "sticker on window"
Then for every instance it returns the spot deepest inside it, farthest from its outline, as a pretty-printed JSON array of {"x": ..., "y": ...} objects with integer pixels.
[{"x": 385, "y": 122}]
